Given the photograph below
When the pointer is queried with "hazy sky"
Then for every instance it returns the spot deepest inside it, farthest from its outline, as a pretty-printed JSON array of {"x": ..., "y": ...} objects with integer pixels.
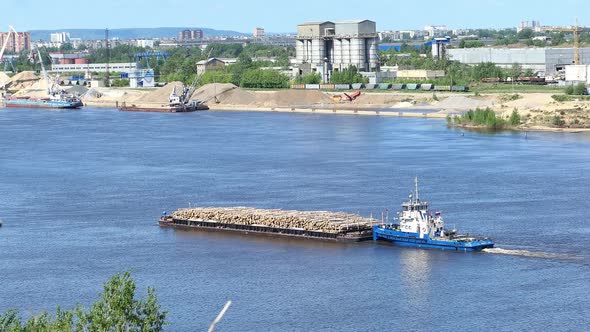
[{"x": 283, "y": 16}]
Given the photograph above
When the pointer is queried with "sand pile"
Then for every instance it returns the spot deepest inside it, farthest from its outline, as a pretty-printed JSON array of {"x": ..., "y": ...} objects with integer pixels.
[
  {"x": 93, "y": 93},
  {"x": 207, "y": 93},
  {"x": 237, "y": 96},
  {"x": 23, "y": 80},
  {"x": 4, "y": 79},
  {"x": 112, "y": 95},
  {"x": 78, "y": 90},
  {"x": 294, "y": 98},
  {"x": 161, "y": 95},
  {"x": 462, "y": 103},
  {"x": 36, "y": 89}
]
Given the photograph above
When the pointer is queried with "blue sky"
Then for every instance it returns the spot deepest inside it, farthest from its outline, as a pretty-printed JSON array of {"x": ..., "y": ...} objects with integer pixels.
[{"x": 283, "y": 16}]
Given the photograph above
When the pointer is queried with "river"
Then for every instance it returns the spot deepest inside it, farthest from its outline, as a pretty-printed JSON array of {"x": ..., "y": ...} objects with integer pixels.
[{"x": 81, "y": 191}]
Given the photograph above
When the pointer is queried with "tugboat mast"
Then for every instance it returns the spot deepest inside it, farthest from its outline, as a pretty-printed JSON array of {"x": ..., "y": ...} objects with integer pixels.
[{"x": 417, "y": 195}]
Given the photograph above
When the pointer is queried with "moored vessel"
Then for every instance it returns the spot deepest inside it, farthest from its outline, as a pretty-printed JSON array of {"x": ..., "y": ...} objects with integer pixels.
[
  {"x": 62, "y": 102},
  {"x": 54, "y": 97},
  {"x": 418, "y": 227}
]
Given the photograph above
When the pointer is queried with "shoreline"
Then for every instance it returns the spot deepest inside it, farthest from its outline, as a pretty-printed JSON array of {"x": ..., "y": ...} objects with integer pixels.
[{"x": 409, "y": 112}]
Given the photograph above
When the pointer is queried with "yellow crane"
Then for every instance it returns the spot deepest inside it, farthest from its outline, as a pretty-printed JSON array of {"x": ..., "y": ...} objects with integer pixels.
[{"x": 576, "y": 30}]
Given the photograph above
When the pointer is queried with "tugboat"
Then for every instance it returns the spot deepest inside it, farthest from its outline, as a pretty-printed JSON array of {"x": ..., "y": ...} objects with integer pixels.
[{"x": 419, "y": 228}]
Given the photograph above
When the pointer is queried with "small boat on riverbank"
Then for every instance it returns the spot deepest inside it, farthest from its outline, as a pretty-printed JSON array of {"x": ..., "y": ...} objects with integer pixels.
[{"x": 418, "y": 227}]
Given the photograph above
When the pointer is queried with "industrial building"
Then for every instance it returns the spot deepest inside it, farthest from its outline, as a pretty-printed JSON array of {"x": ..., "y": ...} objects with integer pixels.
[
  {"x": 187, "y": 34},
  {"x": 17, "y": 42},
  {"x": 209, "y": 64},
  {"x": 95, "y": 67},
  {"x": 544, "y": 61},
  {"x": 324, "y": 47}
]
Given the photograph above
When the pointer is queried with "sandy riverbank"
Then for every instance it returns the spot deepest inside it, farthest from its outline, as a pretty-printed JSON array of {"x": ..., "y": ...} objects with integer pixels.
[{"x": 538, "y": 111}]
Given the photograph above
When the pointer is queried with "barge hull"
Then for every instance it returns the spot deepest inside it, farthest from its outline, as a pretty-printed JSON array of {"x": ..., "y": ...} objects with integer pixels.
[{"x": 266, "y": 230}]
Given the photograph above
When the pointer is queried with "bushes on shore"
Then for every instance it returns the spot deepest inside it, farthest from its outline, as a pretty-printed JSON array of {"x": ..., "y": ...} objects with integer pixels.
[
  {"x": 579, "y": 89},
  {"x": 485, "y": 118}
]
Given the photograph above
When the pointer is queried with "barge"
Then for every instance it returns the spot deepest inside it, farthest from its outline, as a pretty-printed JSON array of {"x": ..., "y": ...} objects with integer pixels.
[
  {"x": 333, "y": 226},
  {"x": 178, "y": 108}
]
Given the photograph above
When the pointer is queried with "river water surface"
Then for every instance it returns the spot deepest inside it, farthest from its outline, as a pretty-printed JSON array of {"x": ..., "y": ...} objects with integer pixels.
[{"x": 81, "y": 191}]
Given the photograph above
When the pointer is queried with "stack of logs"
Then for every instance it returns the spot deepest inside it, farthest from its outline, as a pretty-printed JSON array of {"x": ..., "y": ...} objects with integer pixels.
[{"x": 328, "y": 222}]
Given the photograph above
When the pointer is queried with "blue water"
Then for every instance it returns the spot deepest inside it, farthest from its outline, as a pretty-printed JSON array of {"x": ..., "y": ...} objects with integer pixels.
[{"x": 81, "y": 191}]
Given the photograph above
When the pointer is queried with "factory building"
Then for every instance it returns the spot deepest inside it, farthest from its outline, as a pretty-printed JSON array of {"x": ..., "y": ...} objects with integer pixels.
[
  {"x": 545, "y": 61},
  {"x": 16, "y": 42},
  {"x": 324, "y": 47},
  {"x": 186, "y": 35}
]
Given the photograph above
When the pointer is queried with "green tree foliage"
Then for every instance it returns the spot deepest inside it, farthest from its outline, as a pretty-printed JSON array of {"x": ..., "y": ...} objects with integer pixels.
[
  {"x": 514, "y": 118},
  {"x": 349, "y": 75},
  {"x": 216, "y": 76},
  {"x": 481, "y": 118},
  {"x": 120, "y": 82},
  {"x": 557, "y": 121},
  {"x": 525, "y": 34},
  {"x": 579, "y": 89},
  {"x": 120, "y": 53},
  {"x": 467, "y": 43},
  {"x": 486, "y": 70},
  {"x": 260, "y": 78},
  {"x": 515, "y": 71},
  {"x": 311, "y": 78},
  {"x": 115, "y": 310}
]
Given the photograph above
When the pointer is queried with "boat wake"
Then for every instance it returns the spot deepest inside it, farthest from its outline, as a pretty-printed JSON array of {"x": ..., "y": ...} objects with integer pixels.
[{"x": 528, "y": 253}]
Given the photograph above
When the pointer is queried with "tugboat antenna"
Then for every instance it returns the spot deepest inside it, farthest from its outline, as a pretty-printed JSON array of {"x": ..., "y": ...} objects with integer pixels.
[{"x": 417, "y": 195}]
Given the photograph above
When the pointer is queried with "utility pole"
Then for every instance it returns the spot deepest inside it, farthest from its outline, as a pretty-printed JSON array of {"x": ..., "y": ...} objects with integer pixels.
[{"x": 106, "y": 41}]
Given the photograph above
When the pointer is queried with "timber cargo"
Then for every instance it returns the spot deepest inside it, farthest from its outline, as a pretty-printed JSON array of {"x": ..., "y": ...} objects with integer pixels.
[{"x": 335, "y": 226}]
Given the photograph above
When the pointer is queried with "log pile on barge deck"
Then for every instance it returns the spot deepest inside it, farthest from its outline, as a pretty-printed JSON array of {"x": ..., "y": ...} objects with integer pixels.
[{"x": 312, "y": 224}]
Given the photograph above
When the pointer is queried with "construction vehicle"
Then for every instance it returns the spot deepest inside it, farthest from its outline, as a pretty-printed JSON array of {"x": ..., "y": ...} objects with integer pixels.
[{"x": 347, "y": 96}]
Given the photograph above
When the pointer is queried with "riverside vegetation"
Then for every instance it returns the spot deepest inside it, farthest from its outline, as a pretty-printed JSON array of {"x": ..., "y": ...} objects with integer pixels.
[
  {"x": 485, "y": 118},
  {"x": 115, "y": 310}
]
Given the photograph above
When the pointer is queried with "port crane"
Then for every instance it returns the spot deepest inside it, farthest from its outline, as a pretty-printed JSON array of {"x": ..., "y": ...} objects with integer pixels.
[
  {"x": 576, "y": 30},
  {"x": 11, "y": 30},
  {"x": 187, "y": 91}
]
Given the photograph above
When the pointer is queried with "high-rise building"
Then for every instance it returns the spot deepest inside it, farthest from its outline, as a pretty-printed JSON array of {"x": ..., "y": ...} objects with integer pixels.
[
  {"x": 324, "y": 47},
  {"x": 258, "y": 32},
  {"x": 16, "y": 42},
  {"x": 533, "y": 25},
  {"x": 188, "y": 34},
  {"x": 60, "y": 37}
]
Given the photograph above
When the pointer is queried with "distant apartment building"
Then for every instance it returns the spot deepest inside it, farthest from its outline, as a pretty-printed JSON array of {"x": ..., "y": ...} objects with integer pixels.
[
  {"x": 60, "y": 37},
  {"x": 258, "y": 32},
  {"x": 533, "y": 25},
  {"x": 145, "y": 43},
  {"x": 187, "y": 34},
  {"x": 324, "y": 47},
  {"x": 436, "y": 30},
  {"x": 16, "y": 42}
]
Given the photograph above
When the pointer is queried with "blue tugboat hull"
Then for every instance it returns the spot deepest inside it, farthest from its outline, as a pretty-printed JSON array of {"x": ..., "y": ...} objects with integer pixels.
[{"x": 414, "y": 240}]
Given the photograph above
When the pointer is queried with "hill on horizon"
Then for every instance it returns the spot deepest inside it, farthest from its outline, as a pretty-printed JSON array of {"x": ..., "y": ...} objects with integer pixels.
[{"x": 130, "y": 33}]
